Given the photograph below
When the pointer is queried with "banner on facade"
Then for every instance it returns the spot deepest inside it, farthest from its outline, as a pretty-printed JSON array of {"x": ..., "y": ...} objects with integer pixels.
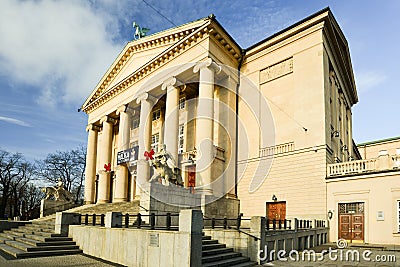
[{"x": 128, "y": 155}]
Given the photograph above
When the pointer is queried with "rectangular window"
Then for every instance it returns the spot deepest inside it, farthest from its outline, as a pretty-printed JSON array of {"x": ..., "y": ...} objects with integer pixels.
[
  {"x": 398, "y": 216},
  {"x": 135, "y": 123},
  {"x": 156, "y": 114},
  {"x": 182, "y": 103},
  {"x": 155, "y": 139},
  {"x": 181, "y": 138}
]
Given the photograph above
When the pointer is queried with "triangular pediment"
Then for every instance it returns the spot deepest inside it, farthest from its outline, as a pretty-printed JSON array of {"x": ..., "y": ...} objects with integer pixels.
[
  {"x": 142, "y": 57},
  {"x": 138, "y": 53}
]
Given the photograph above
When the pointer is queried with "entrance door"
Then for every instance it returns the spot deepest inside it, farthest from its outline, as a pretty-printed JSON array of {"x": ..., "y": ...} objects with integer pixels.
[
  {"x": 351, "y": 222},
  {"x": 276, "y": 210},
  {"x": 191, "y": 182}
]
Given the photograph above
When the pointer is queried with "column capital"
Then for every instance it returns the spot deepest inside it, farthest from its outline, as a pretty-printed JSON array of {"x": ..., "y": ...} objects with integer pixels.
[
  {"x": 172, "y": 82},
  {"x": 146, "y": 96},
  {"x": 107, "y": 118},
  {"x": 208, "y": 63},
  {"x": 92, "y": 127},
  {"x": 121, "y": 109}
]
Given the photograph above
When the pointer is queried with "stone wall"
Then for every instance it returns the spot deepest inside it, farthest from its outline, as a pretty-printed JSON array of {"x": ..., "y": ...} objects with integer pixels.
[
  {"x": 48, "y": 207},
  {"x": 139, "y": 247},
  {"x": 133, "y": 247}
]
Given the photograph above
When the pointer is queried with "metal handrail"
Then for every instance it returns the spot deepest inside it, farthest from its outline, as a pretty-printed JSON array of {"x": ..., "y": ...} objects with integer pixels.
[{"x": 226, "y": 226}]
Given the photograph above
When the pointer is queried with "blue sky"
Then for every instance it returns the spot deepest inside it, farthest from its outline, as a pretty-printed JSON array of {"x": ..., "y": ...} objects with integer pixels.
[{"x": 53, "y": 53}]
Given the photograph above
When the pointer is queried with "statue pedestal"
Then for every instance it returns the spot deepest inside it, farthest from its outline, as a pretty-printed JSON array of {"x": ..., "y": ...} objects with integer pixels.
[
  {"x": 48, "y": 207},
  {"x": 160, "y": 199}
]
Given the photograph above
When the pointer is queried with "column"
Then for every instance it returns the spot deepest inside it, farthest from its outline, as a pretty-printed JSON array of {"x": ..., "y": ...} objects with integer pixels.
[
  {"x": 143, "y": 168},
  {"x": 171, "y": 123},
  {"x": 105, "y": 158},
  {"x": 124, "y": 134},
  {"x": 91, "y": 158},
  {"x": 350, "y": 127},
  {"x": 204, "y": 125}
]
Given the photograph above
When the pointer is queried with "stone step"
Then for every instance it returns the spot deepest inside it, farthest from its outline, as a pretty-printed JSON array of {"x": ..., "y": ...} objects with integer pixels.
[
  {"x": 3, "y": 240},
  {"x": 8, "y": 236},
  {"x": 48, "y": 239},
  {"x": 216, "y": 251},
  {"x": 206, "y": 238},
  {"x": 227, "y": 262},
  {"x": 208, "y": 242},
  {"x": 47, "y": 225},
  {"x": 18, "y": 253},
  {"x": 38, "y": 229},
  {"x": 26, "y": 247},
  {"x": 222, "y": 256},
  {"x": 15, "y": 233},
  {"x": 245, "y": 264},
  {"x": 212, "y": 246},
  {"x": 33, "y": 242},
  {"x": 10, "y": 250}
]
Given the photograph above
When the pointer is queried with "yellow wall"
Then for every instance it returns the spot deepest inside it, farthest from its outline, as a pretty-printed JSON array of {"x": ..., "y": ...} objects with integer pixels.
[{"x": 379, "y": 192}]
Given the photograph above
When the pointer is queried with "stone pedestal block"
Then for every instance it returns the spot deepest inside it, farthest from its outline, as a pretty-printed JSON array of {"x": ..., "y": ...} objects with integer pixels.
[
  {"x": 113, "y": 219},
  {"x": 64, "y": 220}
]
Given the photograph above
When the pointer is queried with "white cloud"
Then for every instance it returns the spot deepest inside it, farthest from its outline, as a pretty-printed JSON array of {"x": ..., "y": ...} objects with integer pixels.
[
  {"x": 14, "y": 121},
  {"x": 61, "y": 47},
  {"x": 368, "y": 80}
]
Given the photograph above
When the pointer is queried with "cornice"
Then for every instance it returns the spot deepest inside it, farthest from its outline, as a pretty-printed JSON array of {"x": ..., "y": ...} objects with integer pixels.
[{"x": 194, "y": 36}]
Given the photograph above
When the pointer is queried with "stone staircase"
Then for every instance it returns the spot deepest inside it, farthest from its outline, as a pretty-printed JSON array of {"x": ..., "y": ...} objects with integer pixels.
[
  {"x": 36, "y": 239},
  {"x": 215, "y": 254}
]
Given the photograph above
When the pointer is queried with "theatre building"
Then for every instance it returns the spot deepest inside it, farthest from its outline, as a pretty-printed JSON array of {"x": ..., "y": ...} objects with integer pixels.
[{"x": 265, "y": 126}]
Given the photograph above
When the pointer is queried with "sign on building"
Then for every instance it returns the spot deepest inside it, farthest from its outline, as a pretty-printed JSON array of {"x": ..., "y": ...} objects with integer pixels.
[{"x": 128, "y": 155}]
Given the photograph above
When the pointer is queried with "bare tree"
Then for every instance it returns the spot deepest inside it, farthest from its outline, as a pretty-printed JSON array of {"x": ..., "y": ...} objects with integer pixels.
[
  {"x": 68, "y": 166},
  {"x": 31, "y": 201},
  {"x": 15, "y": 172}
]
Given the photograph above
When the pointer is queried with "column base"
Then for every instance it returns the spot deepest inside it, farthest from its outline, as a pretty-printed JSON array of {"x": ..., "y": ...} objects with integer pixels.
[
  {"x": 120, "y": 200},
  {"x": 102, "y": 201},
  {"x": 87, "y": 202},
  {"x": 204, "y": 191}
]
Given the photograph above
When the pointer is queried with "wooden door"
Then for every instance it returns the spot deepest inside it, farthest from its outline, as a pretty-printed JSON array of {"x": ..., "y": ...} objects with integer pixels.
[
  {"x": 191, "y": 182},
  {"x": 276, "y": 210},
  {"x": 357, "y": 225},
  {"x": 351, "y": 222}
]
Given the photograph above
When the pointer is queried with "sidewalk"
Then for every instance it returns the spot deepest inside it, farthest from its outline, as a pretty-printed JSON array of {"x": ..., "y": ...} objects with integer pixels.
[{"x": 55, "y": 261}]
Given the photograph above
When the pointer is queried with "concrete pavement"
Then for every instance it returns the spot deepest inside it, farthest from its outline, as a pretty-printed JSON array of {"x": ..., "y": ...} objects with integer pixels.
[{"x": 77, "y": 260}]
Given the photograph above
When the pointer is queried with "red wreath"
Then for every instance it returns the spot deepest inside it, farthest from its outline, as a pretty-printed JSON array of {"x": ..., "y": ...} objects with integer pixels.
[
  {"x": 107, "y": 167},
  {"x": 149, "y": 155}
]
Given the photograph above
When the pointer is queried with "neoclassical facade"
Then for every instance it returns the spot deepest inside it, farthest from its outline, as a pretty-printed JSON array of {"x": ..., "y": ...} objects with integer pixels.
[{"x": 261, "y": 125}]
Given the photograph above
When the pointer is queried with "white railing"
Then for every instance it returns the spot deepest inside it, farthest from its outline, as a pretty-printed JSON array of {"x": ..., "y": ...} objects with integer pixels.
[
  {"x": 277, "y": 149},
  {"x": 352, "y": 167},
  {"x": 381, "y": 163}
]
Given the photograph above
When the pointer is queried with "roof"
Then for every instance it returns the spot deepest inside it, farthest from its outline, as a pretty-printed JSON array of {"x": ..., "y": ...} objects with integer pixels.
[
  {"x": 379, "y": 141},
  {"x": 288, "y": 28}
]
